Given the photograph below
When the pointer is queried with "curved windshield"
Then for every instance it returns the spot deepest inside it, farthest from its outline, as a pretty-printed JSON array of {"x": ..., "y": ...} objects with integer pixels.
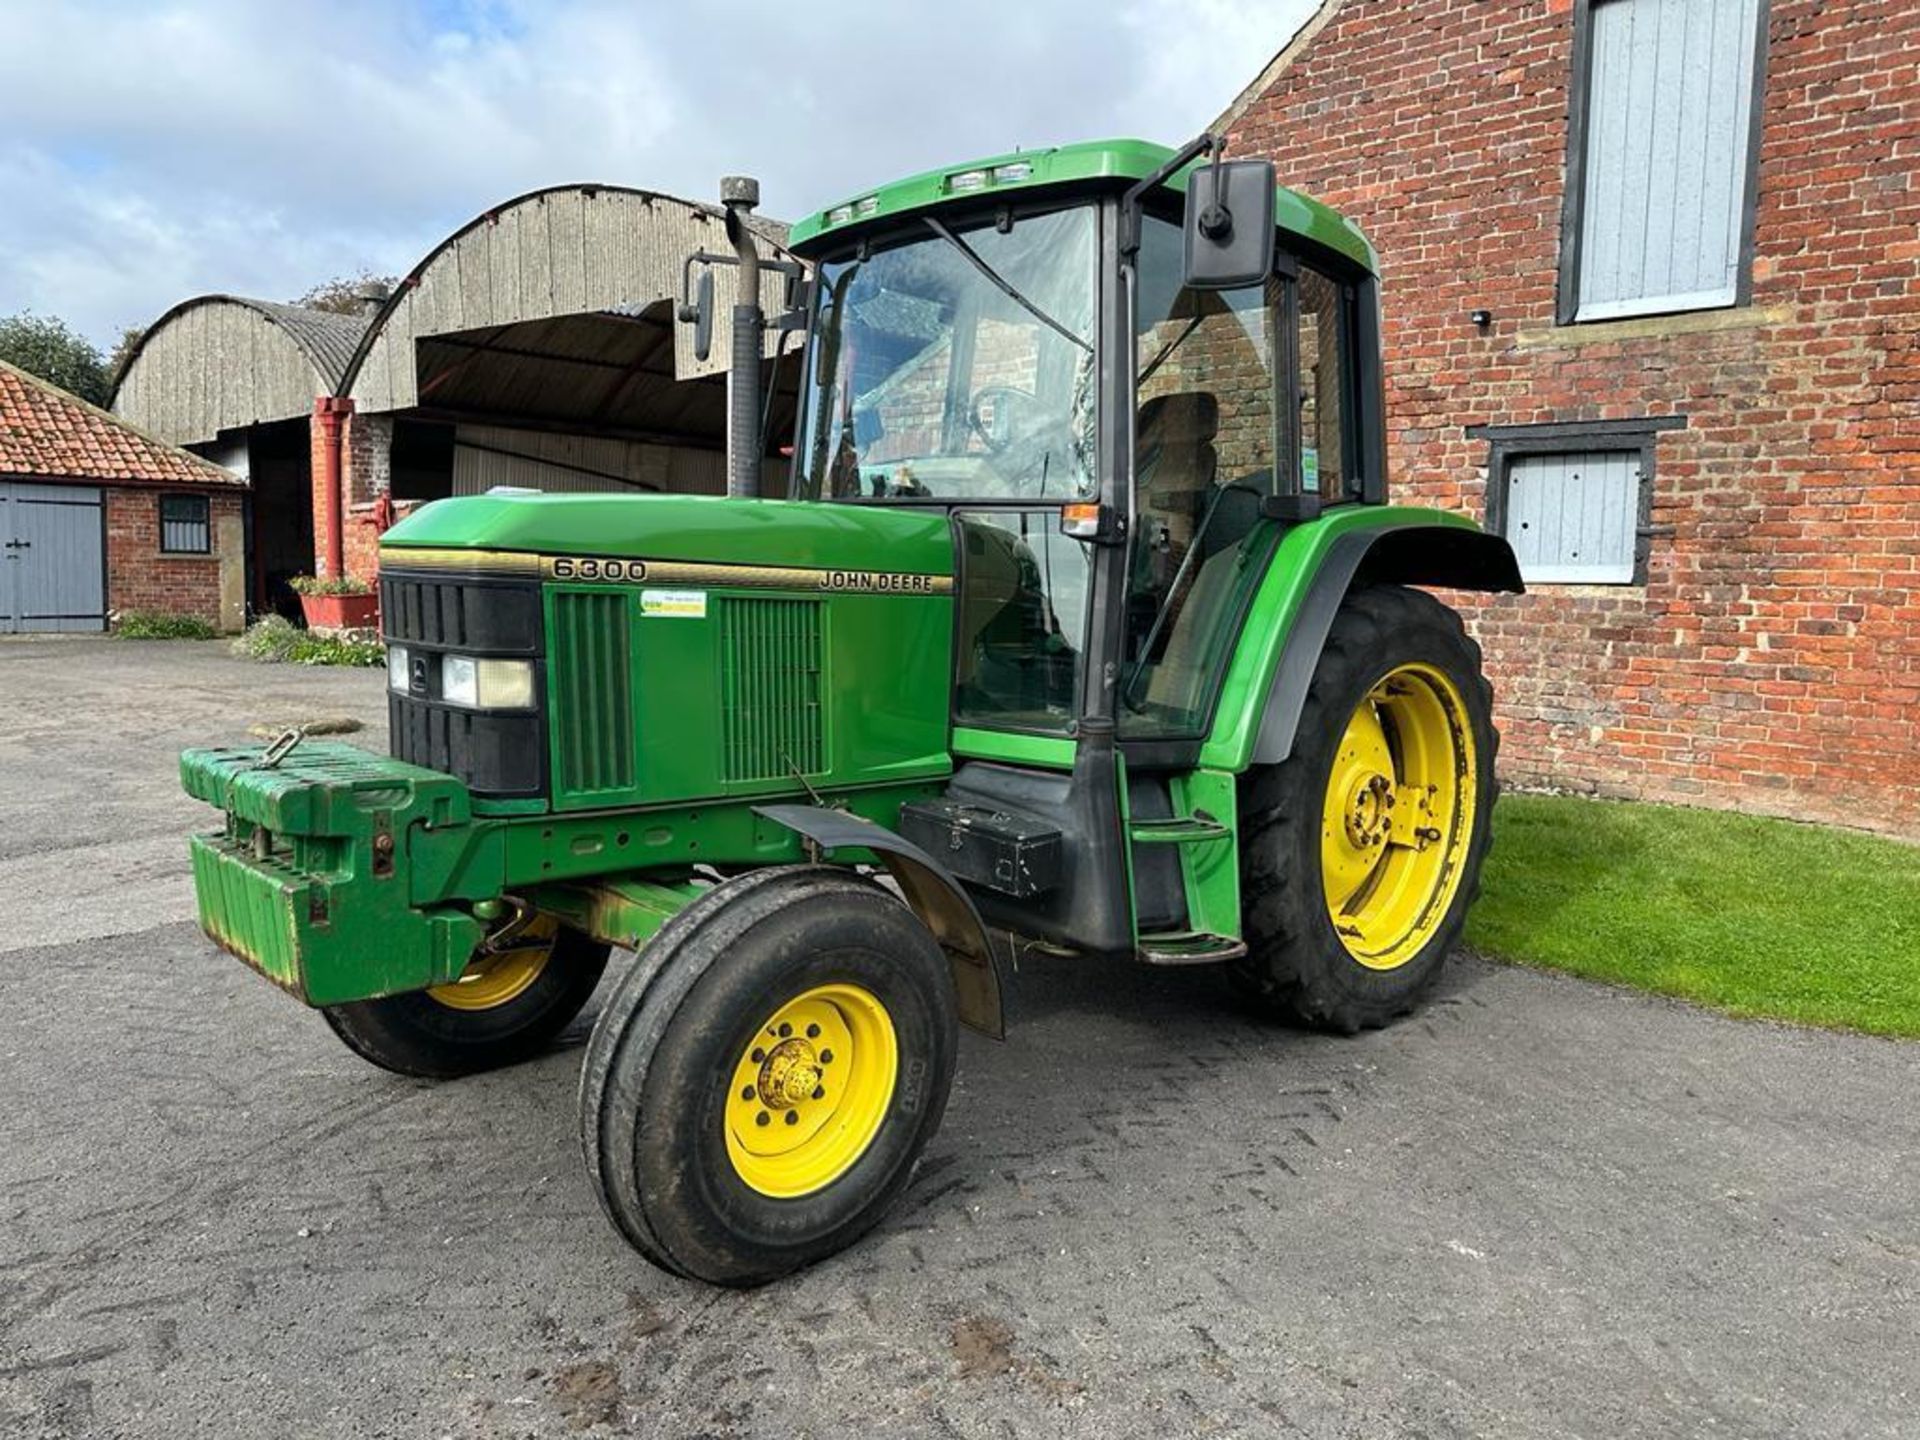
[{"x": 956, "y": 364}]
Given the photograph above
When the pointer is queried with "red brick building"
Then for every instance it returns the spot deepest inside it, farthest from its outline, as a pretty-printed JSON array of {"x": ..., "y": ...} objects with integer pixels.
[
  {"x": 1652, "y": 292},
  {"x": 98, "y": 519}
]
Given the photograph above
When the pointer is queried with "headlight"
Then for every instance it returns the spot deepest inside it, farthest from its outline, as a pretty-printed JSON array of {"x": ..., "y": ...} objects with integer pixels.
[
  {"x": 486, "y": 684},
  {"x": 397, "y": 669}
]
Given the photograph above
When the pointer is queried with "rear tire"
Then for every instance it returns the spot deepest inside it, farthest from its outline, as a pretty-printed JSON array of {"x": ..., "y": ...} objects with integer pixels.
[
  {"x": 498, "y": 1014},
  {"x": 692, "y": 1051},
  {"x": 1347, "y": 924}
]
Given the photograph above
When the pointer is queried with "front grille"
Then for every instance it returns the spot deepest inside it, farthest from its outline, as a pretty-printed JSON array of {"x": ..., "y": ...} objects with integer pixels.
[
  {"x": 593, "y": 738},
  {"x": 770, "y": 688},
  {"x": 498, "y": 755},
  {"x": 474, "y": 617}
]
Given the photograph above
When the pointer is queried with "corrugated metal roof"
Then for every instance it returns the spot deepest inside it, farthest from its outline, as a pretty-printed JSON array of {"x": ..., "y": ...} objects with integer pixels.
[
  {"x": 328, "y": 338},
  {"x": 220, "y": 362},
  {"x": 597, "y": 371},
  {"x": 47, "y": 434},
  {"x": 565, "y": 250},
  {"x": 224, "y": 362}
]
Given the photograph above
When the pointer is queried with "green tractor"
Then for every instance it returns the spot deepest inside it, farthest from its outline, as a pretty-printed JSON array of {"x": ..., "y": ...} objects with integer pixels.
[{"x": 1086, "y": 620}]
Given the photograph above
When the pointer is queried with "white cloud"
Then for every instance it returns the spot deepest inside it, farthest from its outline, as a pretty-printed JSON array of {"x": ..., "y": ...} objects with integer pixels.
[{"x": 156, "y": 150}]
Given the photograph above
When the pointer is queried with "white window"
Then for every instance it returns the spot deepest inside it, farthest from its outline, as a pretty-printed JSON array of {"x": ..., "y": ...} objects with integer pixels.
[{"x": 1662, "y": 156}]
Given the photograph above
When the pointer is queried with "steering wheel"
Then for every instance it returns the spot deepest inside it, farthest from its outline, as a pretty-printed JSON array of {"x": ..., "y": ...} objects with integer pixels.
[{"x": 998, "y": 395}]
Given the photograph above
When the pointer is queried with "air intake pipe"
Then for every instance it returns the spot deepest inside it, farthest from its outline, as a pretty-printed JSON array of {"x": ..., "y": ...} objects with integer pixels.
[{"x": 740, "y": 193}]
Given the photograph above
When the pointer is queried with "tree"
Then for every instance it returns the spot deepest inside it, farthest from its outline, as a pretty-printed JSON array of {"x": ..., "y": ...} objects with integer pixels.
[
  {"x": 48, "y": 347},
  {"x": 129, "y": 340},
  {"x": 346, "y": 294}
]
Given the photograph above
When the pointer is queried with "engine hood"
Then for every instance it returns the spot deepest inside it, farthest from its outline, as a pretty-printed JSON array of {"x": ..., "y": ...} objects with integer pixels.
[{"x": 692, "y": 528}]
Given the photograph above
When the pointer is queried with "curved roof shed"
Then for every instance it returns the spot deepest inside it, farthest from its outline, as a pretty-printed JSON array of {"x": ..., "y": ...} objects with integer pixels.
[
  {"x": 220, "y": 362},
  {"x": 607, "y": 251}
]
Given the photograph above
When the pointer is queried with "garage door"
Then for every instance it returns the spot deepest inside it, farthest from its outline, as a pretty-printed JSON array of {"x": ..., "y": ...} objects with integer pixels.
[{"x": 52, "y": 558}]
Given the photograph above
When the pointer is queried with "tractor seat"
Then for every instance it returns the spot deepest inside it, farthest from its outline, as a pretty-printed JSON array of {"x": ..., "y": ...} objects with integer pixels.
[{"x": 1174, "y": 434}]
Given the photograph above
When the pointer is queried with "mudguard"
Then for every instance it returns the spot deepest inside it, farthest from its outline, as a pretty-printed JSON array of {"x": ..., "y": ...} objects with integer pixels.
[
  {"x": 930, "y": 891},
  {"x": 1416, "y": 554}
]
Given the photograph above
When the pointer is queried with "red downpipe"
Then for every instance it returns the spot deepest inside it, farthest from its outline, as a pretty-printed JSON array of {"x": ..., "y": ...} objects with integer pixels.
[{"x": 331, "y": 411}]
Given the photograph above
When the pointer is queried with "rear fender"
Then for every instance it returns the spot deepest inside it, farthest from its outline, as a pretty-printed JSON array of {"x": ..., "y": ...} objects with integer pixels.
[
  {"x": 1450, "y": 556},
  {"x": 930, "y": 892}
]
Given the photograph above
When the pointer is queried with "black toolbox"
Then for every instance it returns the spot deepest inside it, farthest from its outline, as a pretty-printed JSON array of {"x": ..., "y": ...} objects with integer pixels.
[{"x": 1005, "y": 851}]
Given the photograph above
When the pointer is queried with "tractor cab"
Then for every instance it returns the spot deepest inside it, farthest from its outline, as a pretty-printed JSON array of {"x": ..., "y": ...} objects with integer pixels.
[
  {"x": 1124, "y": 376},
  {"x": 1030, "y": 354}
]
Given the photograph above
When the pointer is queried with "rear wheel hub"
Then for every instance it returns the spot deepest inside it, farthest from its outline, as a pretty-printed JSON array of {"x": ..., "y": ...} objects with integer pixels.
[{"x": 1397, "y": 820}]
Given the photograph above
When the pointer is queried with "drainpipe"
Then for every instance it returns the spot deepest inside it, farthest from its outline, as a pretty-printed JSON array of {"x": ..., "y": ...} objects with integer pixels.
[
  {"x": 331, "y": 411},
  {"x": 740, "y": 193}
]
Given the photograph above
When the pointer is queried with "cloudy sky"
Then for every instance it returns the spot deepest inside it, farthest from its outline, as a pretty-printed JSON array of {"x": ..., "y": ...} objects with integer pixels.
[{"x": 151, "y": 151}]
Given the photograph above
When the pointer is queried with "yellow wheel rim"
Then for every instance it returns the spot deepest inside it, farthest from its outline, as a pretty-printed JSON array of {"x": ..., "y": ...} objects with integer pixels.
[
  {"x": 495, "y": 977},
  {"x": 810, "y": 1090},
  {"x": 1398, "y": 817}
]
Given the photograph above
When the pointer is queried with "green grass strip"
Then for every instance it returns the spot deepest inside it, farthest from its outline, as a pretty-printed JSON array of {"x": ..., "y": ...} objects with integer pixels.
[{"x": 1752, "y": 916}]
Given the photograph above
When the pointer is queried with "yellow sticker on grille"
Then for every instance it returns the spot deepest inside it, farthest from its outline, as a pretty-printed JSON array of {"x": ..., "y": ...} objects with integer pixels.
[{"x": 674, "y": 604}]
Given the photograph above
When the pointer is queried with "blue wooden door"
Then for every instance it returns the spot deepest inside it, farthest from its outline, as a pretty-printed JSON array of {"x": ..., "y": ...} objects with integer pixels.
[{"x": 52, "y": 557}]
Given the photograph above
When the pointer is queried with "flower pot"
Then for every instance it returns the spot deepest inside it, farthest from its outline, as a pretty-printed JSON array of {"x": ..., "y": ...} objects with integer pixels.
[{"x": 340, "y": 612}]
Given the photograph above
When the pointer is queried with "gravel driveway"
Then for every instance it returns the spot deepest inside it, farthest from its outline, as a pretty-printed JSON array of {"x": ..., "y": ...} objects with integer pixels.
[{"x": 1539, "y": 1208}]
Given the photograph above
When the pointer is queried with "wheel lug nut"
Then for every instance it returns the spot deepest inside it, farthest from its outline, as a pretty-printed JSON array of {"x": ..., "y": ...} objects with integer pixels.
[
  {"x": 819, "y": 1092},
  {"x": 763, "y": 1118},
  {"x": 793, "y": 1117},
  {"x": 785, "y": 1030},
  {"x": 813, "y": 1032},
  {"x": 826, "y": 1057},
  {"x": 757, "y": 1056},
  {"x": 746, "y": 1092}
]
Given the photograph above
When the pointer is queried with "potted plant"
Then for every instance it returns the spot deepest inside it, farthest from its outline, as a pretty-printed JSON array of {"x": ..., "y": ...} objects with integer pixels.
[{"x": 336, "y": 602}]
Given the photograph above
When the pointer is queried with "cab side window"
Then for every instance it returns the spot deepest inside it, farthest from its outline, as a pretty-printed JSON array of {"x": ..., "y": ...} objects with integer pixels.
[
  {"x": 1324, "y": 349},
  {"x": 1022, "y": 620}
]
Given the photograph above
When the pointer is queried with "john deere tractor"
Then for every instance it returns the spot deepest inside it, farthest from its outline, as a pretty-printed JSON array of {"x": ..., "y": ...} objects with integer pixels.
[{"x": 1085, "y": 619}]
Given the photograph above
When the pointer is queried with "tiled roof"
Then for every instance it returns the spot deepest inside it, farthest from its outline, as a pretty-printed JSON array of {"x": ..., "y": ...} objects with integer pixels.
[{"x": 48, "y": 434}]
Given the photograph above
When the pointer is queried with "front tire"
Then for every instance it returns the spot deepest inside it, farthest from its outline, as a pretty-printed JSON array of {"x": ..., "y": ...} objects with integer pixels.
[
  {"x": 1362, "y": 850},
  {"x": 762, "y": 1083},
  {"x": 506, "y": 1008}
]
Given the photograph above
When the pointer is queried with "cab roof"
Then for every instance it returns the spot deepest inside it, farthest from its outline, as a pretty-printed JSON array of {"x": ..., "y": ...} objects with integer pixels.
[{"x": 1029, "y": 170}]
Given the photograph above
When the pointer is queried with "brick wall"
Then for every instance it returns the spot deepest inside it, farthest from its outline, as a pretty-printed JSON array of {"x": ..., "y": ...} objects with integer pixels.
[
  {"x": 140, "y": 577},
  {"x": 1771, "y": 661},
  {"x": 366, "y": 475}
]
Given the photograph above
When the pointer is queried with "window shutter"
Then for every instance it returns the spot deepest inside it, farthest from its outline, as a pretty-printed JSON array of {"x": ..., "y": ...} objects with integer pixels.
[
  {"x": 1669, "y": 125},
  {"x": 1572, "y": 517}
]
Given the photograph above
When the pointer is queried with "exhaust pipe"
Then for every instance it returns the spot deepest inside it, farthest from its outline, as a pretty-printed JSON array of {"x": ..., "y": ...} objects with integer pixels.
[{"x": 740, "y": 193}]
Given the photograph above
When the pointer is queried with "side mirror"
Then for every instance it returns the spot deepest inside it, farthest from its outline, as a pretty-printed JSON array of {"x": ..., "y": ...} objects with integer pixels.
[
  {"x": 702, "y": 317},
  {"x": 1229, "y": 224},
  {"x": 698, "y": 312}
]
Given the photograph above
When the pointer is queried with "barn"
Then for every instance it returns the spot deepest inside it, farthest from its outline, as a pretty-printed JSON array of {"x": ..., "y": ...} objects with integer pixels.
[
  {"x": 535, "y": 345},
  {"x": 98, "y": 519}
]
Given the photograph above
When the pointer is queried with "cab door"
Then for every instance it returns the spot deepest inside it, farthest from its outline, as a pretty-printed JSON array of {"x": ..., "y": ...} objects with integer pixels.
[
  {"x": 1240, "y": 397},
  {"x": 1213, "y": 439}
]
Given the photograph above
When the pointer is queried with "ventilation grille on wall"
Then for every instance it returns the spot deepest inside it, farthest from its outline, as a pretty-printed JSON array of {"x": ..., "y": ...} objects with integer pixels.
[
  {"x": 592, "y": 665},
  {"x": 770, "y": 688}
]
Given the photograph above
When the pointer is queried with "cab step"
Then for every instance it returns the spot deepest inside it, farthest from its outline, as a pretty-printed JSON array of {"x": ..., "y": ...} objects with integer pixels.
[
  {"x": 1188, "y": 947},
  {"x": 1181, "y": 830}
]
